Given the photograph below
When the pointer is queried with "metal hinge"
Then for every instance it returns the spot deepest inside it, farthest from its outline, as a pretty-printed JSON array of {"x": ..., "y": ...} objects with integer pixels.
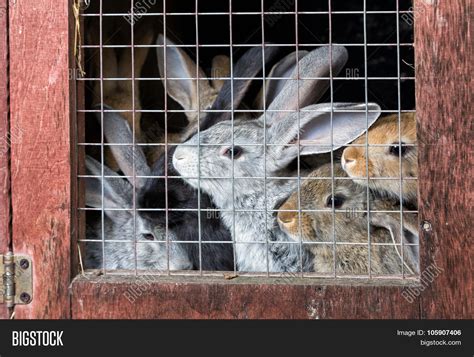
[{"x": 17, "y": 284}]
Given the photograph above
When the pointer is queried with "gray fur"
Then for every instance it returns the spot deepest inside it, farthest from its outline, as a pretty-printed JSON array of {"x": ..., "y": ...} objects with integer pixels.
[
  {"x": 123, "y": 232},
  {"x": 283, "y": 69},
  {"x": 216, "y": 169},
  {"x": 121, "y": 245}
]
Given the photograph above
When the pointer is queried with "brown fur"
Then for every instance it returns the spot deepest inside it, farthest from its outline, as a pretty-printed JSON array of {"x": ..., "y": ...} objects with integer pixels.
[
  {"x": 380, "y": 162},
  {"x": 220, "y": 69},
  {"x": 208, "y": 91},
  {"x": 349, "y": 226},
  {"x": 121, "y": 94}
]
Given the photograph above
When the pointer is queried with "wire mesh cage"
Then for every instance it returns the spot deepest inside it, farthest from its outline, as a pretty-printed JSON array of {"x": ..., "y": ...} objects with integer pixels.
[{"x": 256, "y": 138}]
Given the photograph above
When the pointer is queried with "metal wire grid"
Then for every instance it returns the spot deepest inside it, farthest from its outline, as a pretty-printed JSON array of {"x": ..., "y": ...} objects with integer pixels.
[{"x": 231, "y": 45}]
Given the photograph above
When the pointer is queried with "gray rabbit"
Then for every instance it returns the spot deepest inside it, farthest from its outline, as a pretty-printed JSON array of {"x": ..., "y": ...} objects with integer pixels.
[
  {"x": 230, "y": 162},
  {"x": 129, "y": 240},
  {"x": 151, "y": 191}
]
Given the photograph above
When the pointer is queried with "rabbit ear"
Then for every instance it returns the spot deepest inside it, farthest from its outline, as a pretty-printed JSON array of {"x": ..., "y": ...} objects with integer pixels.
[
  {"x": 220, "y": 69},
  {"x": 319, "y": 131},
  {"x": 117, "y": 131},
  {"x": 109, "y": 59},
  {"x": 180, "y": 66},
  {"x": 410, "y": 236},
  {"x": 299, "y": 93},
  {"x": 283, "y": 69},
  {"x": 145, "y": 37},
  {"x": 248, "y": 66},
  {"x": 117, "y": 191},
  {"x": 321, "y": 134},
  {"x": 393, "y": 225}
]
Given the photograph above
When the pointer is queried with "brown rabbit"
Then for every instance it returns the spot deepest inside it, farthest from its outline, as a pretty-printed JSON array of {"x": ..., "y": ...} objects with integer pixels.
[
  {"x": 183, "y": 89},
  {"x": 383, "y": 161},
  {"x": 121, "y": 94},
  {"x": 350, "y": 227},
  {"x": 220, "y": 71}
]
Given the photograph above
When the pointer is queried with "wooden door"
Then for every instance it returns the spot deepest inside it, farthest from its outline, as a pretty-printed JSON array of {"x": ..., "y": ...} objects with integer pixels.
[{"x": 43, "y": 190}]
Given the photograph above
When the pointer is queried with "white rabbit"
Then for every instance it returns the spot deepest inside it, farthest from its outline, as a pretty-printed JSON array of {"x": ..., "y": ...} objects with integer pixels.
[{"x": 232, "y": 162}]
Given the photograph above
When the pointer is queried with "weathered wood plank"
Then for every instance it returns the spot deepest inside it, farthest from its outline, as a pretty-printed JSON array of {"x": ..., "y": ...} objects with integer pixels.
[
  {"x": 41, "y": 166},
  {"x": 40, "y": 93},
  {"x": 4, "y": 138},
  {"x": 152, "y": 297},
  {"x": 444, "y": 104}
]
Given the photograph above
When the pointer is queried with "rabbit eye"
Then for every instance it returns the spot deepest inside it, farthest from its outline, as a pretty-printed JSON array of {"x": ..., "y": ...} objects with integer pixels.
[
  {"x": 396, "y": 150},
  {"x": 338, "y": 201},
  {"x": 149, "y": 236},
  {"x": 233, "y": 152}
]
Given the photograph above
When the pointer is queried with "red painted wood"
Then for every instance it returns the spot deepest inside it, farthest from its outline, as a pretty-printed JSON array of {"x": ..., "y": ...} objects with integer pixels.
[
  {"x": 151, "y": 297},
  {"x": 444, "y": 110},
  {"x": 4, "y": 139},
  {"x": 42, "y": 191},
  {"x": 443, "y": 52},
  {"x": 40, "y": 93}
]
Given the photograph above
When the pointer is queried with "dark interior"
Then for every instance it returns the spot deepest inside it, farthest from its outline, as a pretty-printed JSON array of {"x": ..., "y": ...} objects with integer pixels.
[{"x": 312, "y": 29}]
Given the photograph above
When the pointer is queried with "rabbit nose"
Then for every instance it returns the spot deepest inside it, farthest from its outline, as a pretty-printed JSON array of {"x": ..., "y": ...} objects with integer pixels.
[
  {"x": 148, "y": 236},
  {"x": 286, "y": 217},
  {"x": 346, "y": 161}
]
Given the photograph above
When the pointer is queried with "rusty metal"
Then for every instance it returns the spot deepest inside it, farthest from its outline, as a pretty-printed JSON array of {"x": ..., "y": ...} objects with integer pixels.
[{"x": 17, "y": 283}]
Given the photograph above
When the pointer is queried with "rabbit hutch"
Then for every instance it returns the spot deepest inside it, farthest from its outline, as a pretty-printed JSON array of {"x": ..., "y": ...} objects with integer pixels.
[{"x": 235, "y": 159}]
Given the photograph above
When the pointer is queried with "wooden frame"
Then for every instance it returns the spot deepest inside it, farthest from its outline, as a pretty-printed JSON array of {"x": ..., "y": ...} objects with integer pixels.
[
  {"x": 4, "y": 141},
  {"x": 43, "y": 192},
  {"x": 41, "y": 116}
]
